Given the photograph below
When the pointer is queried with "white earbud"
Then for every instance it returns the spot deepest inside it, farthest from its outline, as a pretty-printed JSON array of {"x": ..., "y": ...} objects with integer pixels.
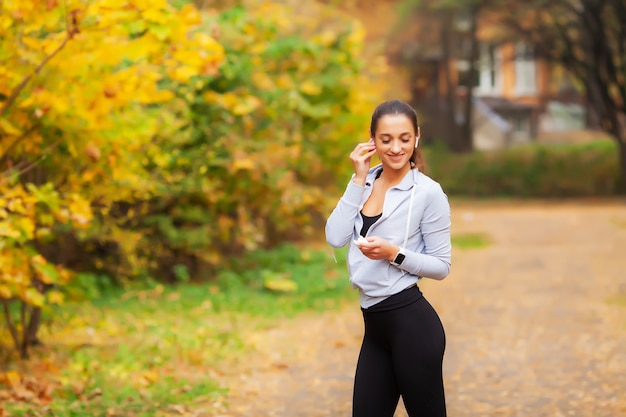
[{"x": 417, "y": 139}]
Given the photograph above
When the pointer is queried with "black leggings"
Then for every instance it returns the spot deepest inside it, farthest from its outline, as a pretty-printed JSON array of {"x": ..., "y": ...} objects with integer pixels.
[{"x": 401, "y": 354}]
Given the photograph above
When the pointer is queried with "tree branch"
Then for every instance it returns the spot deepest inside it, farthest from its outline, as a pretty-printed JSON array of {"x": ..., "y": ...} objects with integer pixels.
[
  {"x": 6, "y": 152},
  {"x": 12, "y": 329},
  {"x": 16, "y": 92},
  {"x": 24, "y": 342},
  {"x": 32, "y": 164}
]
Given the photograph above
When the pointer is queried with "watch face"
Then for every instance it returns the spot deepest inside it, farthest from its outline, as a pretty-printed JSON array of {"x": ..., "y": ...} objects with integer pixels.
[{"x": 399, "y": 258}]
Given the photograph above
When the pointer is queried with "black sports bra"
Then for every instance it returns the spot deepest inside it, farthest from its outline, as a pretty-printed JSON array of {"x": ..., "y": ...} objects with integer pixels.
[{"x": 368, "y": 221}]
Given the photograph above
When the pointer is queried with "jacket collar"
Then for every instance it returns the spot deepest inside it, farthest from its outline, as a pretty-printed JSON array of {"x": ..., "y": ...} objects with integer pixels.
[{"x": 406, "y": 183}]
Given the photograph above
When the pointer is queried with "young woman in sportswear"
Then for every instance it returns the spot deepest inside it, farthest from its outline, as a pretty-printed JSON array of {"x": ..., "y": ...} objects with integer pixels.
[{"x": 396, "y": 221}]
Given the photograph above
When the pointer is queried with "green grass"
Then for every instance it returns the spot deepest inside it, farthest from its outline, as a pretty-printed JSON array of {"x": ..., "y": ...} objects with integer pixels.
[
  {"x": 470, "y": 241},
  {"x": 151, "y": 352}
]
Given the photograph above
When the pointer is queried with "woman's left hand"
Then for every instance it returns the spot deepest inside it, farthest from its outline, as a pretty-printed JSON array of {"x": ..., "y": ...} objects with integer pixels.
[{"x": 378, "y": 248}]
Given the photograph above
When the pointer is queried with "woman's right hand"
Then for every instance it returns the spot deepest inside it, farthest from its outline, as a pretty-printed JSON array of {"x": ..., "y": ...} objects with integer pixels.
[{"x": 360, "y": 157}]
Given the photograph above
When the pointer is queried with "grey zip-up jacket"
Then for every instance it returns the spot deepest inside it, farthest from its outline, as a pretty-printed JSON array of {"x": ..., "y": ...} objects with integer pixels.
[{"x": 428, "y": 248}]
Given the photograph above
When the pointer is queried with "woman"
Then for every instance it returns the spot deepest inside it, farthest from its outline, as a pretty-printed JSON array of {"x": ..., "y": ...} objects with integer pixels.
[{"x": 397, "y": 223}]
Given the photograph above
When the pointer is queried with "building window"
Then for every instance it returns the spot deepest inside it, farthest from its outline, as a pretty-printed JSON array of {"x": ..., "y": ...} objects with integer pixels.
[
  {"x": 525, "y": 70},
  {"x": 463, "y": 71},
  {"x": 489, "y": 69}
]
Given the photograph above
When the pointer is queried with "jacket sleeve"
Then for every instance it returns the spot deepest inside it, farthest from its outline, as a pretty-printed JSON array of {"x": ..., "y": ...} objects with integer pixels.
[
  {"x": 340, "y": 223},
  {"x": 435, "y": 226}
]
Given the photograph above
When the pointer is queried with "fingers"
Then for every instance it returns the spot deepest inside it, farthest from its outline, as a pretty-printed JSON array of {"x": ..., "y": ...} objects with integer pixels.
[
  {"x": 365, "y": 146},
  {"x": 362, "y": 148},
  {"x": 374, "y": 248},
  {"x": 360, "y": 155}
]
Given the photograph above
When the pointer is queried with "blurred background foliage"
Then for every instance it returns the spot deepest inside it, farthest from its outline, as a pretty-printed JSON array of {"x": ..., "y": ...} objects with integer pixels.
[
  {"x": 146, "y": 140},
  {"x": 141, "y": 140}
]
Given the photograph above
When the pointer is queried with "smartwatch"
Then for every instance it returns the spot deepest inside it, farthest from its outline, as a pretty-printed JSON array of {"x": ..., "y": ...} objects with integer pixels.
[{"x": 397, "y": 261}]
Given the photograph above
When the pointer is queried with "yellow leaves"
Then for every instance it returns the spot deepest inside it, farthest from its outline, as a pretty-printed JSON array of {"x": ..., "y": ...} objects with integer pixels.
[
  {"x": 16, "y": 205},
  {"x": 238, "y": 105},
  {"x": 190, "y": 15},
  {"x": 159, "y": 96},
  {"x": 55, "y": 297},
  {"x": 46, "y": 99},
  {"x": 33, "y": 43},
  {"x": 47, "y": 273},
  {"x": 18, "y": 212},
  {"x": 33, "y": 297},
  {"x": 38, "y": 260},
  {"x": 278, "y": 282},
  {"x": 12, "y": 378},
  {"x": 246, "y": 105},
  {"x": 127, "y": 240},
  {"x": 189, "y": 58},
  {"x": 310, "y": 88},
  {"x": 147, "y": 377},
  {"x": 243, "y": 164},
  {"x": 8, "y": 230},
  {"x": 80, "y": 211},
  {"x": 225, "y": 225},
  {"x": 93, "y": 55},
  {"x": 8, "y": 128},
  {"x": 262, "y": 81},
  {"x": 202, "y": 58},
  {"x": 137, "y": 49},
  {"x": 26, "y": 226},
  {"x": 326, "y": 38},
  {"x": 155, "y": 15},
  {"x": 226, "y": 100},
  {"x": 108, "y": 5},
  {"x": 5, "y": 22},
  {"x": 18, "y": 270},
  {"x": 285, "y": 82},
  {"x": 5, "y": 292},
  {"x": 357, "y": 36},
  {"x": 17, "y": 9},
  {"x": 279, "y": 14},
  {"x": 208, "y": 43},
  {"x": 182, "y": 74}
]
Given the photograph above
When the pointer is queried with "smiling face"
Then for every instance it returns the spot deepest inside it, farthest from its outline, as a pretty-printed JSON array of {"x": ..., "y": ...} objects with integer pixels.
[{"x": 395, "y": 139}]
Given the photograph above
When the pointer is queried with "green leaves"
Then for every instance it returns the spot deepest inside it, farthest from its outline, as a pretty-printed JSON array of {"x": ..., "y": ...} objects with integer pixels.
[{"x": 170, "y": 139}]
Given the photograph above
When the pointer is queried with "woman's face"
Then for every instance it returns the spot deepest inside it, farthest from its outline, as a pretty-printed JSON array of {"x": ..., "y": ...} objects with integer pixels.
[{"x": 395, "y": 140}]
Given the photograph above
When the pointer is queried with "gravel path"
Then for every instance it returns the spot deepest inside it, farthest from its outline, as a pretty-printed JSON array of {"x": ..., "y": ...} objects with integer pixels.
[{"x": 535, "y": 324}]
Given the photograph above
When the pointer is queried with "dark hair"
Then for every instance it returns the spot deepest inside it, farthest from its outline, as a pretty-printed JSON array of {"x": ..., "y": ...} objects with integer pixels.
[{"x": 397, "y": 107}]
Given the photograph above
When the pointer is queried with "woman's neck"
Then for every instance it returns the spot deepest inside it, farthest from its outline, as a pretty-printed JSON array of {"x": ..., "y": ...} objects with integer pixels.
[{"x": 392, "y": 177}]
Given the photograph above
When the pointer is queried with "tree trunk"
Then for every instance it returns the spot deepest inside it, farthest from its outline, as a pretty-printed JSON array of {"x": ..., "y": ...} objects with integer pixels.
[
  {"x": 12, "y": 330},
  {"x": 465, "y": 142},
  {"x": 452, "y": 131},
  {"x": 34, "y": 323}
]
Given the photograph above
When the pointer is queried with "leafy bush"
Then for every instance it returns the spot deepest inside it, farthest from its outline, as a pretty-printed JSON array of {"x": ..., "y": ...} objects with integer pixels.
[
  {"x": 570, "y": 170},
  {"x": 142, "y": 140}
]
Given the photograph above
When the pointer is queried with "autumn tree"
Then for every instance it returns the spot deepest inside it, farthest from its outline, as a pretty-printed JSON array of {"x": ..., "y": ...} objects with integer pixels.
[
  {"x": 76, "y": 82},
  {"x": 245, "y": 158},
  {"x": 140, "y": 140}
]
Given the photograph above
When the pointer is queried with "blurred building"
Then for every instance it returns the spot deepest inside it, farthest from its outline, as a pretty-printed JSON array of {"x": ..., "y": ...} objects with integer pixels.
[{"x": 516, "y": 97}]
